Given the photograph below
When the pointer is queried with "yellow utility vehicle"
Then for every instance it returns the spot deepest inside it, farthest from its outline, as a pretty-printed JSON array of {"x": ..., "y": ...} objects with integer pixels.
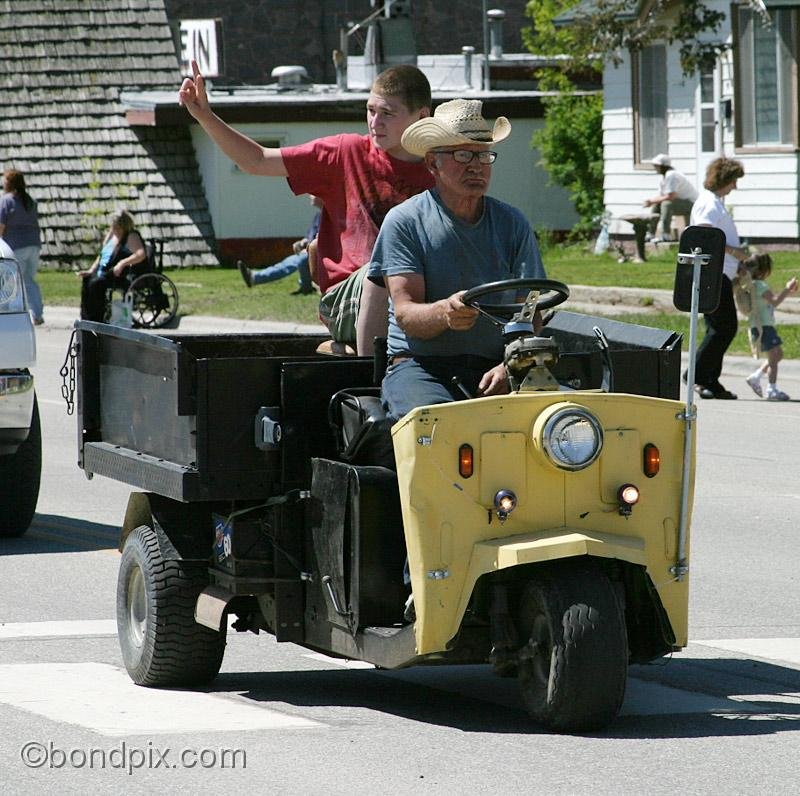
[{"x": 545, "y": 531}]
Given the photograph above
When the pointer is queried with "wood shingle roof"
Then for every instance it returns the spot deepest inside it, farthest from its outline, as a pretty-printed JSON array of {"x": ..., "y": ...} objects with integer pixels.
[{"x": 64, "y": 65}]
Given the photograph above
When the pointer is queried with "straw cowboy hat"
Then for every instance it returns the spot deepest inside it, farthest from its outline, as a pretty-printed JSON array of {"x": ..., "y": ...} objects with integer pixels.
[{"x": 456, "y": 122}]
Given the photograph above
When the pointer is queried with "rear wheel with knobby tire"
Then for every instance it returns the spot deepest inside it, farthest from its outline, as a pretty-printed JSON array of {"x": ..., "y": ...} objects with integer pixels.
[{"x": 161, "y": 643}]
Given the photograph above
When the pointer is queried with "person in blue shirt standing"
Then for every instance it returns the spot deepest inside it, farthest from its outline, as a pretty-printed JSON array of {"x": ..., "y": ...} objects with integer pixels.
[
  {"x": 19, "y": 226},
  {"x": 435, "y": 246}
]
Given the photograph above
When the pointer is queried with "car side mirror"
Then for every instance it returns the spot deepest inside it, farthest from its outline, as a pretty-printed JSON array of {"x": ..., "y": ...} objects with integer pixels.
[{"x": 709, "y": 242}]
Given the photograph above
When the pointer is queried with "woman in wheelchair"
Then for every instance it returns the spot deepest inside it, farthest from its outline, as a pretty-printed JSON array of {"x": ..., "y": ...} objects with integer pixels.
[{"x": 122, "y": 249}]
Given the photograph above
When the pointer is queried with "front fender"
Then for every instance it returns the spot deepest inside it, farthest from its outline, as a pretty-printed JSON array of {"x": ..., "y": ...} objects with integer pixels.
[{"x": 439, "y": 625}]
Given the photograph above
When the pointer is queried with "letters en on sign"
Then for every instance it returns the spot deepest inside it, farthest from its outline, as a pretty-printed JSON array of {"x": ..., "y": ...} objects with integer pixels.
[{"x": 201, "y": 40}]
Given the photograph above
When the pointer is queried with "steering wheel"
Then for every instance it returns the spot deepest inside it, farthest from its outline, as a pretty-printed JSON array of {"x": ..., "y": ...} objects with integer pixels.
[{"x": 553, "y": 294}]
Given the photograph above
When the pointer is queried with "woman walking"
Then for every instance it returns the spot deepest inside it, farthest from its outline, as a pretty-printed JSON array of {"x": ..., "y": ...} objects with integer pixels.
[
  {"x": 721, "y": 325},
  {"x": 19, "y": 226}
]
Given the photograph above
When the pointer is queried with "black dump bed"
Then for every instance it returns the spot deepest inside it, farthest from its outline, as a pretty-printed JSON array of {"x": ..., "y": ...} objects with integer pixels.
[{"x": 175, "y": 414}]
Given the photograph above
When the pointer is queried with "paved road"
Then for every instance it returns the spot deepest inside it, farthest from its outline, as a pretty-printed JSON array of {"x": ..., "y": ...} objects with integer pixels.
[{"x": 725, "y": 710}]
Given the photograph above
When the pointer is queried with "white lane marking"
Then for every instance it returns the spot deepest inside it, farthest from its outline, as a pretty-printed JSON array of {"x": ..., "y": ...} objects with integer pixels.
[
  {"x": 642, "y": 698},
  {"x": 774, "y": 649},
  {"x": 77, "y": 627},
  {"x": 103, "y": 699},
  {"x": 787, "y": 698},
  {"x": 347, "y": 663}
]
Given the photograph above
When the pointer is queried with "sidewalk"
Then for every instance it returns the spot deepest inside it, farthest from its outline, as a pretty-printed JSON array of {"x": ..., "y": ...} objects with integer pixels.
[
  {"x": 65, "y": 317},
  {"x": 592, "y": 300},
  {"x": 627, "y": 300}
]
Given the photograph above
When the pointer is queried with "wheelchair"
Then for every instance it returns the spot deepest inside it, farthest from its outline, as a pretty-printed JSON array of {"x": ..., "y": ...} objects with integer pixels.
[{"x": 153, "y": 296}]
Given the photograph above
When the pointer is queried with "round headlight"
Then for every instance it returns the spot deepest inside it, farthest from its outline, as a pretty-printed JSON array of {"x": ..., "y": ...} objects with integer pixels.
[
  {"x": 572, "y": 438},
  {"x": 10, "y": 288}
]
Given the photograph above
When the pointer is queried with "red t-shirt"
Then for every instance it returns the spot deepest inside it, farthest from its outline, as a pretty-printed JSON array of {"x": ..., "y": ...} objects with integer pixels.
[{"x": 358, "y": 185}]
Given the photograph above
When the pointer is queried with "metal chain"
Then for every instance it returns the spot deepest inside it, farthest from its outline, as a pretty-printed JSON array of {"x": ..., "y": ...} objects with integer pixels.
[{"x": 67, "y": 373}]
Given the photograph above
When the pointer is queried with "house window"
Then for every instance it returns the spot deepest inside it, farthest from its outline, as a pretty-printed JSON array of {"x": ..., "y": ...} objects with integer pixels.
[
  {"x": 708, "y": 116},
  {"x": 766, "y": 60},
  {"x": 650, "y": 101}
]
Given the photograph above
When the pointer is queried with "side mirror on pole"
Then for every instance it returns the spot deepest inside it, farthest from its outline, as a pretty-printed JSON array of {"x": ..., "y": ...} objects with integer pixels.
[
  {"x": 711, "y": 243},
  {"x": 698, "y": 281}
]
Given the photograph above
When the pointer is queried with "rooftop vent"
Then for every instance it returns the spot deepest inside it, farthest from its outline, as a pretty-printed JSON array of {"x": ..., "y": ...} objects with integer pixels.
[{"x": 289, "y": 77}]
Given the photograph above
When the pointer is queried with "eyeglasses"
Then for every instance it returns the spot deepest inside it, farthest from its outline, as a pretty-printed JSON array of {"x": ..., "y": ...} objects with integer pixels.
[{"x": 464, "y": 156}]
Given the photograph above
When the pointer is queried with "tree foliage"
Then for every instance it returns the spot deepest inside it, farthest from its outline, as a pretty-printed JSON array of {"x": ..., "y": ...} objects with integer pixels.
[
  {"x": 571, "y": 140},
  {"x": 608, "y": 29},
  {"x": 571, "y": 145}
]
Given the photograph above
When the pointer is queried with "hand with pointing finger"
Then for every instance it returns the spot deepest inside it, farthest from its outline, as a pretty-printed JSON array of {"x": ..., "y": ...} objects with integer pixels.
[{"x": 192, "y": 94}]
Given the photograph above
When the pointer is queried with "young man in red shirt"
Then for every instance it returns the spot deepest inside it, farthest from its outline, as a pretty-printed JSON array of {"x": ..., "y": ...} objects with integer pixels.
[{"x": 359, "y": 179}]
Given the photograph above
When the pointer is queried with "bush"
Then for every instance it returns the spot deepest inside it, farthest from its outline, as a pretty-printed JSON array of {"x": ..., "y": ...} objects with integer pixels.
[{"x": 571, "y": 145}]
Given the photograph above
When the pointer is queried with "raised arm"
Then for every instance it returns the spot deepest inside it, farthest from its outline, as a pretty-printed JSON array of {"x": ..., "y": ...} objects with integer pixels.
[
  {"x": 248, "y": 155},
  {"x": 771, "y": 298}
]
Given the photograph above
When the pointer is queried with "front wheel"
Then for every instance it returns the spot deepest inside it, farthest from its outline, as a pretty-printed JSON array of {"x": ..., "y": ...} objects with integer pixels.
[
  {"x": 573, "y": 668},
  {"x": 161, "y": 643},
  {"x": 19, "y": 481}
]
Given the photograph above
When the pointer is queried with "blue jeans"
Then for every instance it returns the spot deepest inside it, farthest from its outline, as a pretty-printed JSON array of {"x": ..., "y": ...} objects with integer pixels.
[
  {"x": 28, "y": 261},
  {"x": 290, "y": 264},
  {"x": 423, "y": 381}
]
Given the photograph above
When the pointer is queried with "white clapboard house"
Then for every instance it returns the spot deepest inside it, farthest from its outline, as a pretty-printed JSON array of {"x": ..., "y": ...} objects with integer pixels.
[{"x": 746, "y": 107}]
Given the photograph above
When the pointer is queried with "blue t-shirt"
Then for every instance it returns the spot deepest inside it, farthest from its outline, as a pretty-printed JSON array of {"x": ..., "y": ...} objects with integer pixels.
[
  {"x": 22, "y": 226},
  {"x": 108, "y": 251},
  {"x": 421, "y": 236}
]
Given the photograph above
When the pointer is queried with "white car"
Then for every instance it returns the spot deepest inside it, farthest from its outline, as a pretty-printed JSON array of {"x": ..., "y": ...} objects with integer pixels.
[{"x": 20, "y": 433}]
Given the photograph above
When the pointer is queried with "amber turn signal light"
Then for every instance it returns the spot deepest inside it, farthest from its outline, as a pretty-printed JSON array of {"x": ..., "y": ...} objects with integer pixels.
[
  {"x": 465, "y": 463},
  {"x": 652, "y": 460}
]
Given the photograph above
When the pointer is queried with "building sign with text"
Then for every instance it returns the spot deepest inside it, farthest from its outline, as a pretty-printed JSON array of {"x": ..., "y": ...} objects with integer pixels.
[{"x": 201, "y": 40}]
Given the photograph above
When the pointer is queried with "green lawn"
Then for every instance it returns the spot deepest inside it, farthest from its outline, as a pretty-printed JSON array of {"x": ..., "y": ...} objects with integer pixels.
[
  {"x": 576, "y": 265},
  {"x": 207, "y": 291},
  {"x": 220, "y": 291}
]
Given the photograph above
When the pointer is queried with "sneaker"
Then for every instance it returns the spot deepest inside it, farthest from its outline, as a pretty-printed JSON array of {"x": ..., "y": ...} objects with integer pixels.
[
  {"x": 754, "y": 380},
  {"x": 774, "y": 394},
  {"x": 38, "y": 321},
  {"x": 245, "y": 272}
]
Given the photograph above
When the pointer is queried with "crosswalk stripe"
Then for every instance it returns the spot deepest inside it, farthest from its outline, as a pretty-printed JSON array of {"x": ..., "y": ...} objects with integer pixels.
[
  {"x": 780, "y": 649},
  {"x": 77, "y": 627},
  {"x": 103, "y": 699}
]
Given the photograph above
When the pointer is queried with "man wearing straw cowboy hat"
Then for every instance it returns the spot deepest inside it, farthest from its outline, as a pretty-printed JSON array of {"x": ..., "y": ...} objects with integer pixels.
[{"x": 435, "y": 246}]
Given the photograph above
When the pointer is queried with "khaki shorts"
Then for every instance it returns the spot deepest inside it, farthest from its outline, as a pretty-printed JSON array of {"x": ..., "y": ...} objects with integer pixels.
[{"x": 338, "y": 308}]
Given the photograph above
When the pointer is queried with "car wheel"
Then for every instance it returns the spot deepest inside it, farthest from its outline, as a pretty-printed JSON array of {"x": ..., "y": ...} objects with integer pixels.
[
  {"x": 161, "y": 643},
  {"x": 20, "y": 473},
  {"x": 573, "y": 667}
]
